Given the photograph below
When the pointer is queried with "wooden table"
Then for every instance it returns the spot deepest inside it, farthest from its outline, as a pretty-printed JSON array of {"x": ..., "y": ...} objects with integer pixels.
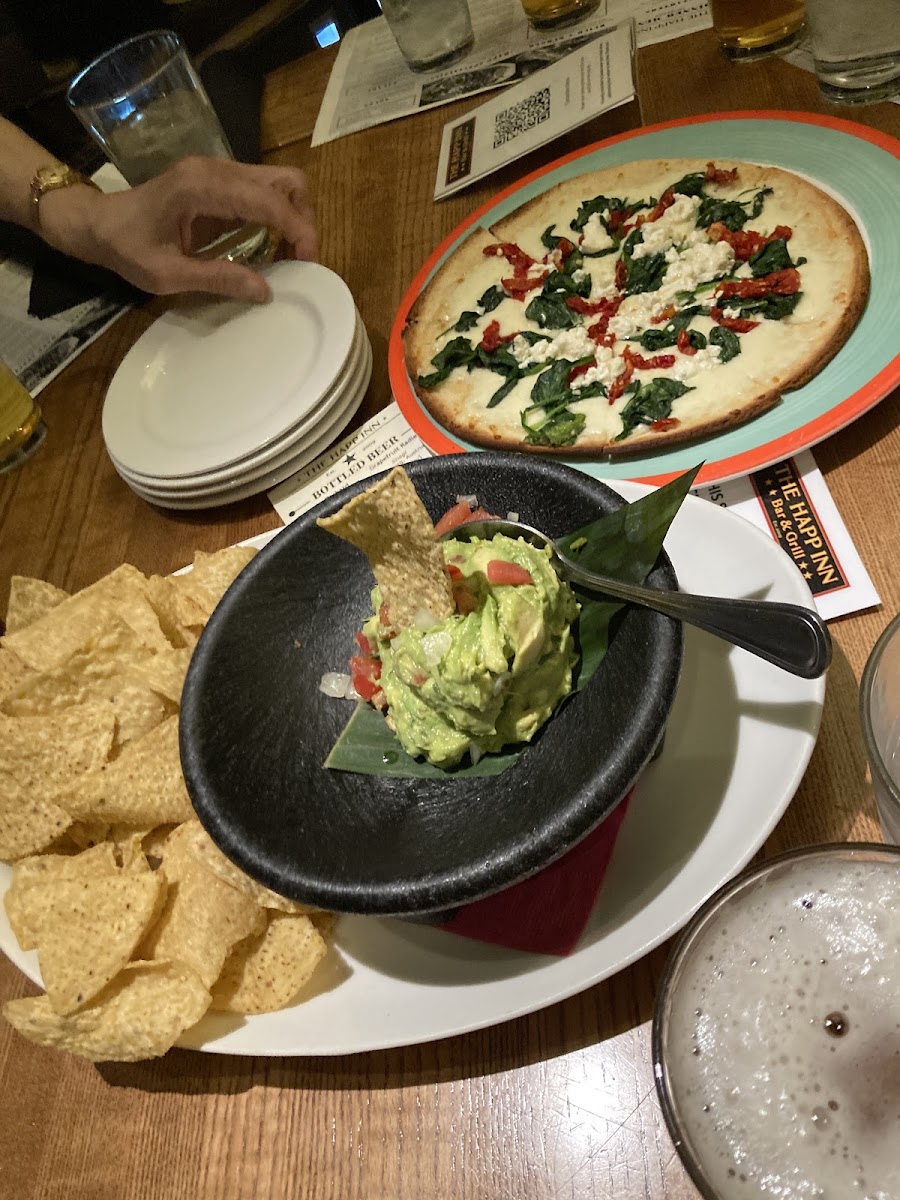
[{"x": 560, "y": 1104}]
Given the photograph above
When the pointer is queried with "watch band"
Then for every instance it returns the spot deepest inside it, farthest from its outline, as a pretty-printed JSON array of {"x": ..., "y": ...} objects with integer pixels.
[{"x": 48, "y": 179}]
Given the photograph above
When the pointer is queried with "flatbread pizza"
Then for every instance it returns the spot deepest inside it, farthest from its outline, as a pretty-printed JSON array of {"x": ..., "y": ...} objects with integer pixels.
[{"x": 637, "y": 307}]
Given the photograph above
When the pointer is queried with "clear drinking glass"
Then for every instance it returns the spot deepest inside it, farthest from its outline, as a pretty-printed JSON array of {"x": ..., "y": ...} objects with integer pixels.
[
  {"x": 430, "y": 33},
  {"x": 856, "y": 49},
  {"x": 145, "y": 105},
  {"x": 776, "y": 1036},
  {"x": 879, "y": 711}
]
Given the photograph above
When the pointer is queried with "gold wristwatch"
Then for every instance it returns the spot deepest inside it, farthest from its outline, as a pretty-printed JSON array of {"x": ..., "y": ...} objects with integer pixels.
[{"x": 48, "y": 179}]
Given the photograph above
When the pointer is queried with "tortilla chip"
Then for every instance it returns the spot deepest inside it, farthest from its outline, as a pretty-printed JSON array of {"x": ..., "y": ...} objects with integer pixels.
[
  {"x": 391, "y": 526},
  {"x": 266, "y": 971},
  {"x": 82, "y": 618},
  {"x": 214, "y": 860},
  {"x": 83, "y": 835},
  {"x": 29, "y": 600},
  {"x": 20, "y": 901},
  {"x": 44, "y": 753},
  {"x": 153, "y": 842},
  {"x": 140, "y": 1015},
  {"x": 136, "y": 707},
  {"x": 162, "y": 593},
  {"x": 28, "y": 823},
  {"x": 143, "y": 786},
  {"x": 201, "y": 589},
  {"x": 203, "y": 917},
  {"x": 164, "y": 673},
  {"x": 324, "y": 921},
  {"x": 13, "y": 672},
  {"x": 127, "y": 844},
  {"x": 87, "y": 930}
]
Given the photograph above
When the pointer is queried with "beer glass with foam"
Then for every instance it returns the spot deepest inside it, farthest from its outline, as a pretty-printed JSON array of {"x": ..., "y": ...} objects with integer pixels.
[{"x": 776, "y": 1037}]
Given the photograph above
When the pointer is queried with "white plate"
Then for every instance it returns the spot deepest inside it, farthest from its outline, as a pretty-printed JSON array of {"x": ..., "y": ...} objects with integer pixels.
[
  {"x": 739, "y": 739},
  {"x": 285, "y": 452},
  {"x": 278, "y": 449},
  {"x": 268, "y": 476},
  {"x": 214, "y": 380}
]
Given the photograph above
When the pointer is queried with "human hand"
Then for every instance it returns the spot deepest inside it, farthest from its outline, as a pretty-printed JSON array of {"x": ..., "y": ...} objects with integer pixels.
[{"x": 146, "y": 234}]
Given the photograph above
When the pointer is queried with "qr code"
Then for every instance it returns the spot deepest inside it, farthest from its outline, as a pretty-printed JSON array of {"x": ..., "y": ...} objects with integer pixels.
[{"x": 522, "y": 116}]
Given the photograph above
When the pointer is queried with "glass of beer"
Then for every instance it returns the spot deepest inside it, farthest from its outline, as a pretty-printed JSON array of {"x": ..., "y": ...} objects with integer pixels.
[
  {"x": 144, "y": 103},
  {"x": 22, "y": 429},
  {"x": 750, "y": 29},
  {"x": 554, "y": 14},
  {"x": 776, "y": 1037}
]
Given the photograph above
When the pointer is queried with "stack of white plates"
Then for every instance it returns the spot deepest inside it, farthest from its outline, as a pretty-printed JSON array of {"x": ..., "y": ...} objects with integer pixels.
[{"x": 219, "y": 400}]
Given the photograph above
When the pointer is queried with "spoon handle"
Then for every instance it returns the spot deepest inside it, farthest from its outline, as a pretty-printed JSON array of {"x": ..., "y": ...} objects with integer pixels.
[{"x": 787, "y": 635}]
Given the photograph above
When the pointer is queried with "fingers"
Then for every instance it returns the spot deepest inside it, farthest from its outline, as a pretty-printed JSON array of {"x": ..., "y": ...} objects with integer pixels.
[
  {"x": 219, "y": 277},
  {"x": 273, "y": 196}
]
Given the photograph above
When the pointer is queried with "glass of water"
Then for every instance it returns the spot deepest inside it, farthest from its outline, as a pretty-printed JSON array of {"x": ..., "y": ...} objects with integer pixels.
[
  {"x": 879, "y": 711},
  {"x": 145, "y": 105},
  {"x": 856, "y": 49},
  {"x": 430, "y": 33}
]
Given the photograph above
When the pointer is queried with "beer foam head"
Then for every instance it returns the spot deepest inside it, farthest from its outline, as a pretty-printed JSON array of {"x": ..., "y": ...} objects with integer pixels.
[{"x": 780, "y": 1033}]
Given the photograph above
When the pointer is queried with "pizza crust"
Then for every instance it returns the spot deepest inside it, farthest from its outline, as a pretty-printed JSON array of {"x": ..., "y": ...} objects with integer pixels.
[{"x": 776, "y": 357}]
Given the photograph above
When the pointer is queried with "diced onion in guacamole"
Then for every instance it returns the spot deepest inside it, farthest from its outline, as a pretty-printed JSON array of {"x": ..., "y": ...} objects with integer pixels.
[{"x": 481, "y": 679}]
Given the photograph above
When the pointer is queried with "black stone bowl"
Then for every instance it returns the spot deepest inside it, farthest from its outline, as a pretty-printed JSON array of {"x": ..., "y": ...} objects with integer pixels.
[{"x": 255, "y": 729}]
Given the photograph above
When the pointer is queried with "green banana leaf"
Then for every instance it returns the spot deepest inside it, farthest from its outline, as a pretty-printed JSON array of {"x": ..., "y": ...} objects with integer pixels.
[{"x": 624, "y": 544}]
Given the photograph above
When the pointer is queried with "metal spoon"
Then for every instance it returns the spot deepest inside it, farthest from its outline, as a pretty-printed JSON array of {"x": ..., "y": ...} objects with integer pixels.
[{"x": 787, "y": 635}]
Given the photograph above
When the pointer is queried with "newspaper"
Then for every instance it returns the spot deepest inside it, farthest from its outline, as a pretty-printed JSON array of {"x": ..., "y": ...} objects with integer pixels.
[
  {"x": 370, "y": 82},
  {"x": 789, "y": 501},
  {"x": 589, "y": 81},
  {"x": 37, "y": 348}
]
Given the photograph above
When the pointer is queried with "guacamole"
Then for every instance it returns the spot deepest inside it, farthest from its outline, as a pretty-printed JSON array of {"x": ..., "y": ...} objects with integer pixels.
[{"x": 491, "y": 673}]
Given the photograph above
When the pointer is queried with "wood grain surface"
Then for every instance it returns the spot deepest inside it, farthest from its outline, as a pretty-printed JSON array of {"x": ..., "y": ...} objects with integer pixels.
[{"x": 559, "y": 1104}]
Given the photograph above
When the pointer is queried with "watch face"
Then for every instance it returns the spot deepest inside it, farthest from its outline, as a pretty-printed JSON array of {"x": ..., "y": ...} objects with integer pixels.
[{"x": 53, "y": 176}]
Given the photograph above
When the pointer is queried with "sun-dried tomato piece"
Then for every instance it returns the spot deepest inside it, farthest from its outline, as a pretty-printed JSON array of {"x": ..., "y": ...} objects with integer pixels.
[
  {"x": 514, "y": 255},
  {"x": 657, "y": 362},
  {"x": 735, "y": 324},
  {"x": 520, "y": 285},
  {"x": 716, "y": 174}
]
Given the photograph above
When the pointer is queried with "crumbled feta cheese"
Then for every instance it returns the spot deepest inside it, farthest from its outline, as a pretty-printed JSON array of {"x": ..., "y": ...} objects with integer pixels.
[
  {"x": 698, "y": 264},
  {"x": 687, "y": 365},
  {"x": 524, "y": 353},
  {"x": 608, "y": 366},
  {"x": 623, "y": 325},
  {"x": 731, "y": 313},
  {"x": 595, "y": 236},
  {"x": 569, "y": 343},
  {"x": 578, "y": 276},
  {"x": 601, "y": 291},
  {"x": 671, "y": 228}
]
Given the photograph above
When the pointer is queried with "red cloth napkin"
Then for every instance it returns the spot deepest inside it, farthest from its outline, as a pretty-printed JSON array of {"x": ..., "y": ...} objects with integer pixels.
[{"x": 547, "y": 913}]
